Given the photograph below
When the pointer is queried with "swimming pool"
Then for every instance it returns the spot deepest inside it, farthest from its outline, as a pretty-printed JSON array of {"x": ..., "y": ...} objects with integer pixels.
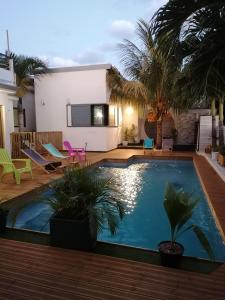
[{"x": 142, "y": 184}]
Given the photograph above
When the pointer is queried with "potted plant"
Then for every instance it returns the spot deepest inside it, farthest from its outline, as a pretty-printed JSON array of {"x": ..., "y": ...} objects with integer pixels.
[
  {"x": 214, "y": 152},
  {"x": 125, "y": 137},
  {"x": 83, "y": 203},
  {"x": 3, "y": 218},
  {"x": 129, "y": 135},
  {"x": 179, "y": 207},
  {"x": 132, "y": 134},
  {"x": 221, "y": 156}
]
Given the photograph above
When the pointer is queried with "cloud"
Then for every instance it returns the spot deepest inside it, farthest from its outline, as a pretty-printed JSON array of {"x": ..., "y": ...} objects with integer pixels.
[
  {"x": 58, "y": 61},
  {"x": 88, "y": 56},
  {"x": 122, "y": 29}
]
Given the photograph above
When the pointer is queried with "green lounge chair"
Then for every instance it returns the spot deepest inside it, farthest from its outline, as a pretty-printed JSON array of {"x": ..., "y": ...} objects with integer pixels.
[
  {"x": 54, "y": 152},
  {"x": 8, "y": 166}
]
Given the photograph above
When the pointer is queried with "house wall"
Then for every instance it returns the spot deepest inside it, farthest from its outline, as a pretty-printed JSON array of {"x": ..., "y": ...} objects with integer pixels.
[
  {"x": 54, "y": 91},
  {"x": 8, "y": 122},
  {"x": 130, "y": 117}
]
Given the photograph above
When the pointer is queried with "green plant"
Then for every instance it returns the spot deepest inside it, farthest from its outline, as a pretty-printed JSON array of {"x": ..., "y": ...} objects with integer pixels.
[
  {"x": 25, "y": 67},
  {"x": 126, "y": 134},
  {"x": 130, "y": 133},
  {"x": 179, "y": 207},
  {"x": 84, "y": 192},
  {"x": 222, "y": 150}
]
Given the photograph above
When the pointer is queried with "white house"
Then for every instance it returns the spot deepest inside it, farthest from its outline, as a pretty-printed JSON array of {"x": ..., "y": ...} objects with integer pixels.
[
  {"x": 7, "y": 98},
  {"x": 75, "y": 100}
]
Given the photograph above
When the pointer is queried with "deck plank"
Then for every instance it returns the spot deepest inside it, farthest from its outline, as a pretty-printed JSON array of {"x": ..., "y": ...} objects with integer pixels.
[{"x": 30, "y": 271}]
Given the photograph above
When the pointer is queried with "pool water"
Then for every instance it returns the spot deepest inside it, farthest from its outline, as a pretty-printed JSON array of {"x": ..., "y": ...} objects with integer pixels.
[{"x": 145, "y": 224}]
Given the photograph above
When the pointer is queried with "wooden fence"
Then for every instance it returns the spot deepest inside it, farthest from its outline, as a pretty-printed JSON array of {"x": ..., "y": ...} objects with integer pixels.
[{"x": 20, "y": 140}]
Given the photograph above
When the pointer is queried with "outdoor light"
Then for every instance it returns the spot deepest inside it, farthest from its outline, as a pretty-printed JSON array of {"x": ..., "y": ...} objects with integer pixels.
[
  {"x": 129, "y": 110},
  {"x": 42, "y": 102}
]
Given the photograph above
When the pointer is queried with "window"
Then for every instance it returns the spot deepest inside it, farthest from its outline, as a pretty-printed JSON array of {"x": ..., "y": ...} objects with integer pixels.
[
  {"x": 82, "y": 115},
  {"x": 99, "y": 116}
]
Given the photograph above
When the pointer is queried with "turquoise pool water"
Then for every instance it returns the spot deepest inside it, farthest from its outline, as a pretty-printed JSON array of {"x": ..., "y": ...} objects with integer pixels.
[{"x": 145, "y": 224}]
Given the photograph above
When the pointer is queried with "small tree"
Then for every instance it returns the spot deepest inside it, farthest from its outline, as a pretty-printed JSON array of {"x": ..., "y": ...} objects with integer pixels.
[{"x": 25, "y": 67}]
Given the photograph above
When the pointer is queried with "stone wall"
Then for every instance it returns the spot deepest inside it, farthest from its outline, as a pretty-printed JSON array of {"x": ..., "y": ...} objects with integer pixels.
[{"x": 185, "y": 125}]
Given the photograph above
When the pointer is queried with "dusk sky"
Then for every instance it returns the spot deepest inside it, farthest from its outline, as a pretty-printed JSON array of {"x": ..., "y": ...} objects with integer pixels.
[{"x": 72, "y": 32}]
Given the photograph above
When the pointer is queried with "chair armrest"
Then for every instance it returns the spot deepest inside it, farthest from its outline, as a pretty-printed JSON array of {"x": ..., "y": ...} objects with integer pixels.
[
  {"x": 20, "y": 159},
  {"x": 5, "y": 163},
  {"x": 78, "y": 149},
  {"x": 27, "y": 161}
]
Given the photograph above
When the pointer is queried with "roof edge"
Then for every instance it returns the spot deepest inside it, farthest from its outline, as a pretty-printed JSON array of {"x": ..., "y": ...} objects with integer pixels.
[
  {"x": 80, "y": 68},
  {"x": 8, "y": 87}
]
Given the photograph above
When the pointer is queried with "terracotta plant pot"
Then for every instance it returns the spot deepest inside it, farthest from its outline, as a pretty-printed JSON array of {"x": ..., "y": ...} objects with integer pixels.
[
  {"x": 170, "y": 254},
  {"x": 221, "y": 159},
  {"x": 71, "y": 234}
]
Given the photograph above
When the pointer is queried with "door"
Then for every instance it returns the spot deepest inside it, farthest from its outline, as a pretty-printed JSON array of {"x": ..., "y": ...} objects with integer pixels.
[
  {"x": 205, "y": 132},
  {"x": 1, "y": 128}
]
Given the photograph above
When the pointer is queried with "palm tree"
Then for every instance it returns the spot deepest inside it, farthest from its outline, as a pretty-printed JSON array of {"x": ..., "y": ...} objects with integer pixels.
[
  {"x": 201, "y": 25},
  {"x": 25, "y": 67},
  {"x": 149, "y": 79}
]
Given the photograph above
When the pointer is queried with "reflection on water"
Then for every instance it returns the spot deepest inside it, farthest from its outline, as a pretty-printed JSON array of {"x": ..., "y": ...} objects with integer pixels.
[{"x": 129, "y": 181}]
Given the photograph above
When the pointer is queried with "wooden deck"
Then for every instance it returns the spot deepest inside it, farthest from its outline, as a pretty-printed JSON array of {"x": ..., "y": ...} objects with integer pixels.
[{"x": 29, "y": 271}]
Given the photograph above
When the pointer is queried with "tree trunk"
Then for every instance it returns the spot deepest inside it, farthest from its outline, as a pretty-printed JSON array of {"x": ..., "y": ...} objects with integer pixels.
[
  {"x": 159, "y": 135},
  {"x": 20, "y": 114},
  {"x": 221, "y": 133},
  {"x": 213, "y": 112}
]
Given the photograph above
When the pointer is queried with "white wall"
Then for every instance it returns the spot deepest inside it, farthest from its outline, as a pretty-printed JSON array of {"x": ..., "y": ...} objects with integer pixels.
[
  {"x": 6, "y": 76},
  {"x": 129, "y": 118},
  {"x": 8, "y": 125},
  {"x": 55, "y": 90}
]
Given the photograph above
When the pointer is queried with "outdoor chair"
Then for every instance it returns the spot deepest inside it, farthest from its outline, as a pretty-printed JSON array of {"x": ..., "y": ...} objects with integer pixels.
[
  {"x": 79, "y": 153},
  {"x": 8, "y": 166},
  {"x": 54, "y": 152},
  {"x": 148, "y": 144},
  {"x": 47, "y": 165}
]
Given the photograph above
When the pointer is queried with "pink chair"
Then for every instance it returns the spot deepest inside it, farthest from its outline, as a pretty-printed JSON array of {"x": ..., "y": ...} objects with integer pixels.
[{"x": 79, "y": 153}]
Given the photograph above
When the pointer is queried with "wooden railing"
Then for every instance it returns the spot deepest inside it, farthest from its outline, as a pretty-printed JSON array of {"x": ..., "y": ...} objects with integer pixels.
[{"x": 20, "y": 140}]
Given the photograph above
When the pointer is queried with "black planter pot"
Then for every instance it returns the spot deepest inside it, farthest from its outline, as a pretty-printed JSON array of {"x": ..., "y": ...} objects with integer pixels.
[
  {"x": 71, "y": 234},
  {"x": 170, "y": 256},
  {"x": 3, "y": 219}
]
